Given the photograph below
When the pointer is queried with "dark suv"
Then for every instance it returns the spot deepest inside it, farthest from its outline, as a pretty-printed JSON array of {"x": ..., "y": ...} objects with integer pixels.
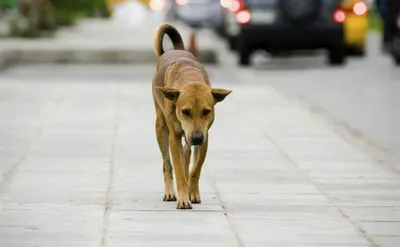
[
  {"x": 394, "y": 25},
  {"x": 284, "y": 25}
]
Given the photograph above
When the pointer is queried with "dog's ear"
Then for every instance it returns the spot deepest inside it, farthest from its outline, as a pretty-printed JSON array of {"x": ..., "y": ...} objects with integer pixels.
[
  {"x": 169, "y": 93},
  {"x": 220, "y": 94}
]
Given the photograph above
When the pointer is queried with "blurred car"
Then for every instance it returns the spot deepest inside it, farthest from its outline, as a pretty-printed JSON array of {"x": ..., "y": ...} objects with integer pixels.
[
  {"x": 395, "y": 49},
  {"x": 284, "y": 25},
  {"x": 129, "y": 12},
  {"x": 197, "y": 13},
  {"x": 355, "y": 26},
  {"x": 220, "y": 28}
]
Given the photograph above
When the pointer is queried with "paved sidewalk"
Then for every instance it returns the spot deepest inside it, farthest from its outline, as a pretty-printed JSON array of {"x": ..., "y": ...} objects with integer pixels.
[
  {"x": 100, "y": 41},
  {"x": 79, "y": 167}
]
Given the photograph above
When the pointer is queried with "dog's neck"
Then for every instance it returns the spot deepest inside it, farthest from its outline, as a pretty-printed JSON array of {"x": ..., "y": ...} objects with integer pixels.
[{"x": 191, "y": 75}]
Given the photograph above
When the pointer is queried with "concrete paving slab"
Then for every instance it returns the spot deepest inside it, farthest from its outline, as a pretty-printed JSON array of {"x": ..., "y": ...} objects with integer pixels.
[
  {"x": 298, "y": 232},
  {"x": 94, "y": 173},
  {"x": 6, "y": 162},
  {"x": 387, "y": 241},
  {"x": 381, "y": 228},
  {"x": 49, "y": 244},
  {"x": 170, "y": 227},
  {"x": 390, "y": 214},
  {"x": 37, "y": 224}
]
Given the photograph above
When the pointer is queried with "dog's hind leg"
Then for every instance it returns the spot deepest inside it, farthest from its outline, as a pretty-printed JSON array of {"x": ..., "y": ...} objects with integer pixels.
[
  {"x": 162, "y": 139},
  {"x": 199, "y": 158}
]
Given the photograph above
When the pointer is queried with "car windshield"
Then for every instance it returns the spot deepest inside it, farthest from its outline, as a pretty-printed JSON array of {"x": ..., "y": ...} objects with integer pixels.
[
  {"x": 267, "y": 2},
  {"x": 260, "y": 2}
]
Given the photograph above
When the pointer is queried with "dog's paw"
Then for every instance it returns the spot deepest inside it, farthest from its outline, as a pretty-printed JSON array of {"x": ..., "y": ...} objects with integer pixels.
[
  {"x": 183, "y": 203},
  {"x": 194, "y": 196},
  {"x": 169, "y": 197}
]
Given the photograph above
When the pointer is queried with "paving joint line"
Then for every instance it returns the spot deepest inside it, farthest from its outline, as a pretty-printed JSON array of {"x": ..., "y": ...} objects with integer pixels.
[
  {"x": 218, "y": 197},
  {"x": 9, "y": 175},
  {"x": 108, "y": 204},
  {"x": 352, "y": 136},
  {"x": 315, "y": 184}
]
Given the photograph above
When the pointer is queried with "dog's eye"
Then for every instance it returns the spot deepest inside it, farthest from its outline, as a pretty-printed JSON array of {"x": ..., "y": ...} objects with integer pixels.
[
  {"x": 206, "y": 112},
  {"x": 186, "y": 112}
]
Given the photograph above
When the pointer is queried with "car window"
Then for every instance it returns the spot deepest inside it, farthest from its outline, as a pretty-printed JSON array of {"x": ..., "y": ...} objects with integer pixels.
[{"x": 261, "y": 2}]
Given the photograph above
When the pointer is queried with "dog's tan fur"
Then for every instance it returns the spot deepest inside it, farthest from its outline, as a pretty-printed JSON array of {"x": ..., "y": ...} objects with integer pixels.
[{"x": 184, "y": 102}]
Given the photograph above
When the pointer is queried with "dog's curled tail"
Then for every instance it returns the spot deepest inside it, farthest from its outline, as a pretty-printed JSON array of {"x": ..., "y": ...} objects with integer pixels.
[{"x": 172, "y": 33}]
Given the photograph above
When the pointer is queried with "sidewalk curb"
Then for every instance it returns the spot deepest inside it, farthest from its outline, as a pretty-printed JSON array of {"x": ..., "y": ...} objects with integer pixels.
[
  {"x": 110, "y": 56},
  {"x": 5, "y": 60},
  {"x": 78, "y": 52}
]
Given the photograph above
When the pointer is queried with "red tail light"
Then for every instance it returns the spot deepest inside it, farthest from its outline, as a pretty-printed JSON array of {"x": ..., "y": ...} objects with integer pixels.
[
  {"x": 360, "y": 8},
  {"x": 181, "y": 2},
  {"x": 243, "y": 16},
  {"x": 235, "y": 5},
  {"x": 339, "y": 16}
]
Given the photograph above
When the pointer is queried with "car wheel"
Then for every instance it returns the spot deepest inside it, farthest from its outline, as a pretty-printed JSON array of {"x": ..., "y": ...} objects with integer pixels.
[
  {"x": 397, "y": 60},
  {"x": 219, "y": 30},
  {"x": 356, "y": 51},
  {"x": 232, "y": 42},
  {"x": 337, "y": 55},
  {"x": 244, "y": 53},
  {"x": 244, "y": 58},
  {"x": 360, "y": 53}
]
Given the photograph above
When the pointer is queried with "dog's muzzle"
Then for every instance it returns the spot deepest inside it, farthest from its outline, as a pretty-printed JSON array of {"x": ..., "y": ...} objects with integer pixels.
[{"x": 197, "y": 138}]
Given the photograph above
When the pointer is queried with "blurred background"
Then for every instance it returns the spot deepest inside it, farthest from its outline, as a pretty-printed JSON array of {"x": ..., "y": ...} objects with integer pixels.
[
  {"x": 32, "y": 18},
  {"x": 304, "y": 152}
]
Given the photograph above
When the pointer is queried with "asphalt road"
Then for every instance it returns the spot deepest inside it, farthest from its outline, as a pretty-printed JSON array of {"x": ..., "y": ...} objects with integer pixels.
[{"x": 363, "y": 97}]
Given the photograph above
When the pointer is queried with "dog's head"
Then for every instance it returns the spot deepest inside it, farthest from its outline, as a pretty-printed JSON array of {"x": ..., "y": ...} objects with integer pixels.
[{"x": 195, "y": 108}]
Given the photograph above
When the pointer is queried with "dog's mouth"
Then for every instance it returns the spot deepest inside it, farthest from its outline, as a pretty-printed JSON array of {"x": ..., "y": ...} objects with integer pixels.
[
  {"x": 196, "y": 143},
  {"x": 197, "y": 139}
]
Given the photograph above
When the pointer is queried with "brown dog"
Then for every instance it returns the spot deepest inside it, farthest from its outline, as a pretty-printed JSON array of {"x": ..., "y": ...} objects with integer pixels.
[{"x": 184, "y": 102}]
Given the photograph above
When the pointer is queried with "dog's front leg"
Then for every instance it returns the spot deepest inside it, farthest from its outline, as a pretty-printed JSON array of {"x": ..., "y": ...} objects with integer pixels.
[
  {"x": 187, "y": 152},
  {"x": 200, "y": 156},
  {"x": 175, "y": 143}
]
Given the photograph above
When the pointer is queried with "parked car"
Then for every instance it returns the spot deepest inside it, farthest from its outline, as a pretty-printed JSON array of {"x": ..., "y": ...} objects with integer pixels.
[
  {"x": 355, "y": 26},
  {"x": 395, "y": 24},
  {"x": 219, "y": 27},
  {"x": 285, "y": 25},
  {"x": 198, "y": 13}
]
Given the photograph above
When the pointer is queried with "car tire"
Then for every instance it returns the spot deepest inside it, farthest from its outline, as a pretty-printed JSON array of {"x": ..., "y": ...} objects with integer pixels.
[
  {"x": 360, "y": 53},
  {"x": 396, "y": 60},
  {"x": 232, "y": 42},
  {"x": 337, "y": 55},
  {"x": 220, "y": 32},
  {"x": 356, "y": 51},
  {"x": 244, "y": 53},
  {"x": 244, "y": 58}
]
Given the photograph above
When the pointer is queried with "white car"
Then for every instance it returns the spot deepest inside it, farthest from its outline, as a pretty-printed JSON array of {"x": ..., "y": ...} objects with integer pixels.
[{"x": 198, "y": 13}]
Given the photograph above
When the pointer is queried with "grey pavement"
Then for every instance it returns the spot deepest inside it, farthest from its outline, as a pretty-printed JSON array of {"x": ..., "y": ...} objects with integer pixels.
[
  {"x": 80, "y": 166},
  {"x": 361, "y": 100},
  {"x": 99, "y": 41},
  {"x": 79, "y": 163}
]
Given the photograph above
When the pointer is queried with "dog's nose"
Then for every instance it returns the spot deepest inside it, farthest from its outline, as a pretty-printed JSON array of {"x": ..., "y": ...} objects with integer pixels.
[{"x": 197, "y": 138}]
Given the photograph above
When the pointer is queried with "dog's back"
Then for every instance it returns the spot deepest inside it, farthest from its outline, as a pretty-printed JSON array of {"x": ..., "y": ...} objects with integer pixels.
[{"x": 174, "y": 59}]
